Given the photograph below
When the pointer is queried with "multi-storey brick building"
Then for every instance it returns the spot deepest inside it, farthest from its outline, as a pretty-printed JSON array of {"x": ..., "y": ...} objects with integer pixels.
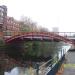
[
  {"x": 13, "y": 26},
  {"x": 3, "y": 18},
  {"x": 8, "y": 25}
]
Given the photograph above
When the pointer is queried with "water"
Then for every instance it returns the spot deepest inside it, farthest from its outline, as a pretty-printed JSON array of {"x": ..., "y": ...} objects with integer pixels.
[
  {"x": 14, "y": 71},
  {"x": 29, "y": 70},
  {"x": 21, "y": 71},
  {"x": 62, "y": 48}
]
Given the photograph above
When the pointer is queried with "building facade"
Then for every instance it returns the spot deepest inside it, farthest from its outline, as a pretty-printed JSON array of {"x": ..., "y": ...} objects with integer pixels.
[
  {"x": 3, "y": 19},
  {"x": 13, "y": 26},
  {"x": 8, "y": 25}
]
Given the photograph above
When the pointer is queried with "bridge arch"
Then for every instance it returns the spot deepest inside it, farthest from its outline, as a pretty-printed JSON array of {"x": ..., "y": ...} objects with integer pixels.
[{"x": 37, "y": 36}]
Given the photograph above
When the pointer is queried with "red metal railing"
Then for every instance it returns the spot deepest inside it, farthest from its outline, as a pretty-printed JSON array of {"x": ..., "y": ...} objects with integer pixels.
[{"x": 50, "y": 35}]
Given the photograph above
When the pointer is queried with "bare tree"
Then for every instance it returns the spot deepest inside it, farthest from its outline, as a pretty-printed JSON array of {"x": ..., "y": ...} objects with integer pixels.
[{"x": 27, "y": 24}]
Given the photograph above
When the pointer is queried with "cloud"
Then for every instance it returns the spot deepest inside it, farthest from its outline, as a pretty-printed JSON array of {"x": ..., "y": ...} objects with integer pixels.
[{"x": 48, "y": 13}]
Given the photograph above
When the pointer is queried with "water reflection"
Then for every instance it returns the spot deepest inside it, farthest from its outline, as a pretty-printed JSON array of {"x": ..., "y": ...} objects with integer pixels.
[
  {"x": 14, "y": 71},
  {"x": 21, "y": 71}
]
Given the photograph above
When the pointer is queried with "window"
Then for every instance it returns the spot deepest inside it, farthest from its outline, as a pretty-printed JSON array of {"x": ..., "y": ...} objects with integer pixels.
[
  {"x": 1, "y": 20},
  {"x": 1, "y": 14}
]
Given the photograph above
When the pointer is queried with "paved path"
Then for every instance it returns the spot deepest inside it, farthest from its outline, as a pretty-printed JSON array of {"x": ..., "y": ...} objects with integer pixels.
[{"x": 69, "y": 68}]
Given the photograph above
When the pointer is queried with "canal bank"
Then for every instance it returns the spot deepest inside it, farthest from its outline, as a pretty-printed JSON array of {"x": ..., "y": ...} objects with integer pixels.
[{"x": 69, "y": 66}]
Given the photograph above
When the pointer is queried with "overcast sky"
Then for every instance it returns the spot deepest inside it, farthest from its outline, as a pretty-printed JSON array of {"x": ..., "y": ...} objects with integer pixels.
[{"x": 48, "y": 13}]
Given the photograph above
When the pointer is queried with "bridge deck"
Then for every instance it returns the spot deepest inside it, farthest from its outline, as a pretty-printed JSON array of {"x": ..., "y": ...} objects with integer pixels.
[{"x": 69, "y": 67}]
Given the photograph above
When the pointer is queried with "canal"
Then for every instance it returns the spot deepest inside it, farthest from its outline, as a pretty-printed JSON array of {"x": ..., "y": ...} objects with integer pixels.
[{"x": 60, "y": 49}]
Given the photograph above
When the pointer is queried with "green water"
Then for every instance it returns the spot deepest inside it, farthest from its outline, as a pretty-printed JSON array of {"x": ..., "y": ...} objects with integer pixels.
[{"x": 35, "y": 50}]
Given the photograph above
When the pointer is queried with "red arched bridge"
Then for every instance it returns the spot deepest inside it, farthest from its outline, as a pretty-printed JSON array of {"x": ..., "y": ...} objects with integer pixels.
[{"x": 38, "y": 36}]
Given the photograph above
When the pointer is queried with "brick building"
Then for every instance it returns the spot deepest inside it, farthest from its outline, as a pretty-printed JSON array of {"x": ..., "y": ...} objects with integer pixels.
[
  {"x": 8, "y": 25},
  {"x": 3, "y": 17},
  {"x": 13, "y": 26},
  {"x": 3, "y": 20}
]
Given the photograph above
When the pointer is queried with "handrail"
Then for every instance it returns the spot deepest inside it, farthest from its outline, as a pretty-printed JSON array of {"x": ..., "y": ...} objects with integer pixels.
[
  {"x": 42, "y": 34},
  {"x": 43, "y": 67}
]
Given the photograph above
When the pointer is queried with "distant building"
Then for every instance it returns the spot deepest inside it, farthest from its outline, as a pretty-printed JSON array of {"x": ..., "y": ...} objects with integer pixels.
[
  {"x": 8, "y": 25},
  {"x": 55, "y": 30},
  {"x": 3, "y": 17},
  {"x": 13, "y": 26}
]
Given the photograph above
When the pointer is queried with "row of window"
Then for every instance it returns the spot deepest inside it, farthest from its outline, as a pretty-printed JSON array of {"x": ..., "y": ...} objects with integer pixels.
[
  {"x": 12, "y": 22},
  {"x": 1, "y": 9},
  {"x": 12, "y": 25},
  {"x": 13, "y": 29}
]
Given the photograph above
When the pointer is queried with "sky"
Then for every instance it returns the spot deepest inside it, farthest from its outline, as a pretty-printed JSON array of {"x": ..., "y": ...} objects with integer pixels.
[{"x": 47, "y": 13}]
